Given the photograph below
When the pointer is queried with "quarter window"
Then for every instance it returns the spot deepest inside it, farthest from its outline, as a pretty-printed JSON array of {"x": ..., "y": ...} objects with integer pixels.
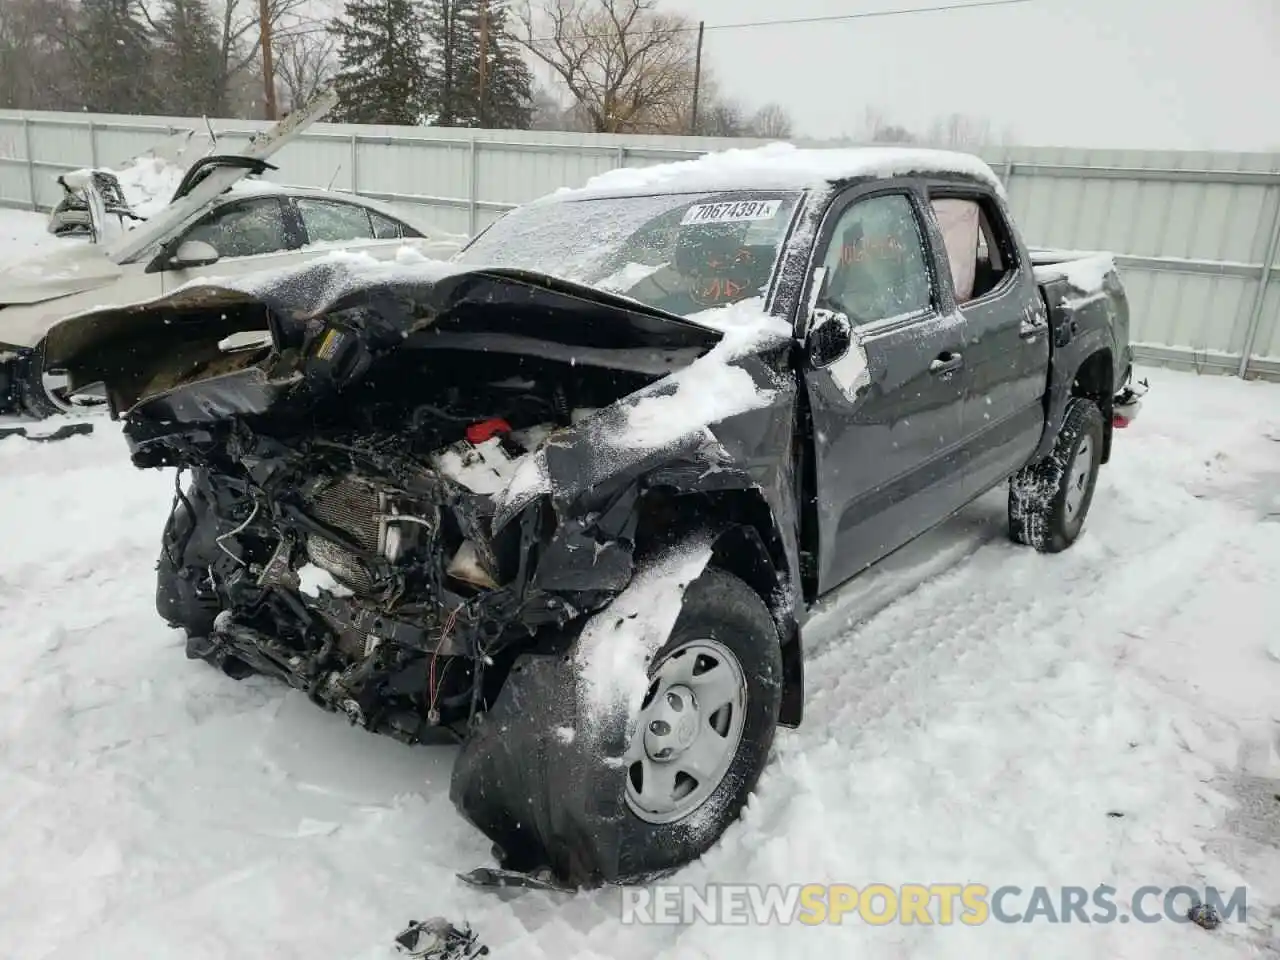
[
  {"x": 875, "y": 261},
  {"x": 384, "y": 228},
  {"x": 328, "y": 222}
]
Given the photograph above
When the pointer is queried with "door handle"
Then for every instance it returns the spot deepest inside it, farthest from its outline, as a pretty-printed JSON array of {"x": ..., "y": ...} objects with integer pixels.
[{"x": 946, "y": 362}]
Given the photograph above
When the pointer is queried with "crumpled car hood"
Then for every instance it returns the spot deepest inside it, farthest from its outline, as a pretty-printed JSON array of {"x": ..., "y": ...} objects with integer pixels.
[
  {"x": 331, "y": 318},
  {"x": 408, "y": 288}
]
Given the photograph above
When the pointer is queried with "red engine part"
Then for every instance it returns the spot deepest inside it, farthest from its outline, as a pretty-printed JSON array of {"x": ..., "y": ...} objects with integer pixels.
[{"x": 487, "y": 429}]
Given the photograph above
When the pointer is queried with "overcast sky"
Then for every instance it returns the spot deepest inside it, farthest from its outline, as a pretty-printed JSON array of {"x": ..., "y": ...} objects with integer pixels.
[
  {"x": 1170, "y": 74},
  {"x": 1154, "y": 74}
]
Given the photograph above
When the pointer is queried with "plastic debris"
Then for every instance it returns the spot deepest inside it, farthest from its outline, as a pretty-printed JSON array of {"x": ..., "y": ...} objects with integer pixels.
[
  {"x": 1205, "y": 916},
  {"x": 438, "y": 939}
]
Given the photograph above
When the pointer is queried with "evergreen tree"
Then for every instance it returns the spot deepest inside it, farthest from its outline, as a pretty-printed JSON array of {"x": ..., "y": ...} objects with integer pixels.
[
  {"x": 113, "y": 65},
  {"x": 189, "y": 59},
  {"x": 457, "y": 32},
  {"x": 382, "y": 63}
]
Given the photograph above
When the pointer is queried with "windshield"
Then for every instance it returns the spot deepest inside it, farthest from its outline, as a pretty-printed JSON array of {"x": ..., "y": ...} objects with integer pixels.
[{"x": 682, "y": 253}]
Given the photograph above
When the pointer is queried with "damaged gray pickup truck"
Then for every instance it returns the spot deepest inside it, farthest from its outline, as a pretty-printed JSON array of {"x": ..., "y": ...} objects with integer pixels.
[{"x": 568, "y": 497}]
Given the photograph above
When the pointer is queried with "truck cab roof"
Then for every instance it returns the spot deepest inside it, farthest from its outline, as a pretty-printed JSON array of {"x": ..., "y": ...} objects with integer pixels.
[{"x": 780, "y": 166}]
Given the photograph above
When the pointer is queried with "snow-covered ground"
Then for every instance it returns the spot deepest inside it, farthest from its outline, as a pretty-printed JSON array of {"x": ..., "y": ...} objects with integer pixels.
[{"x": 976, "y": 712}]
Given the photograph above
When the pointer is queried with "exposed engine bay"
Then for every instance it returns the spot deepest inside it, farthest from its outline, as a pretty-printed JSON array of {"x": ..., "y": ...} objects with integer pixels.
[
  {"x": 353, "y": 555},
  {"x": 415, "y": 492}
]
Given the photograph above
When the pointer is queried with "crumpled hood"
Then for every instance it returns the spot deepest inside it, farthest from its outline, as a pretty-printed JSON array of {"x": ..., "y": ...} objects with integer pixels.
[
  {"x": 407, "y": 288},
  {"x": 72, "y": 267},
  {"x": 331, "y": 318}
]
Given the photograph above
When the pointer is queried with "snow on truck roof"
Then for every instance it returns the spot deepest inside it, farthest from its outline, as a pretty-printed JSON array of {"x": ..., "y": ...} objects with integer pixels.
[{"x": 778, "y": 166}]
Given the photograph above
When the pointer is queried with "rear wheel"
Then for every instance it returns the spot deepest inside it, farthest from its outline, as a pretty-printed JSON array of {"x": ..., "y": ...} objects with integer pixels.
[{"x": 1049, "y": 500}]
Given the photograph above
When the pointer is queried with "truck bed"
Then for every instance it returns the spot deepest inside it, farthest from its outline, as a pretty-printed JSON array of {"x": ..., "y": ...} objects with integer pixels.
[{"x": 1087, "y": 303}]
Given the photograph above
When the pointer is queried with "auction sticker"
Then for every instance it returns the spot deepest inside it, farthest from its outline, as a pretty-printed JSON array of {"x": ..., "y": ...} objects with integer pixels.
[{"x": 733, "y": 211}]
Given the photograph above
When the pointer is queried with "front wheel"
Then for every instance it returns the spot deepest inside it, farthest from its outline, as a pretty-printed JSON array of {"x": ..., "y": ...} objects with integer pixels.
[
  {"x": 705, "y": 727},
  {"x": 38, "y": 394},
  {"x": 1049, "y": 500},
  {"x": 623, "y": 798}
]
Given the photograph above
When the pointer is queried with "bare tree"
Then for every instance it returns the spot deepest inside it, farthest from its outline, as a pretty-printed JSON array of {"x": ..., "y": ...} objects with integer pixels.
[
  {"x": 239, "y": 25},
  {"x": 306, "y": 59},
  {"x": 960, "y": 132},
  {"x": 628, "y": 67},
  {"x": 240, "y": 45},
  {"x": 877, "y": 128},
  {"x": 772, "y": 121},
  {"x": 551, "y": 113}
]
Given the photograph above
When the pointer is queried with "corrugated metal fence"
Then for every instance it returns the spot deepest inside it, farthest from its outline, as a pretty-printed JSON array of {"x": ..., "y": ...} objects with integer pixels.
[{"x": 1197, "y": 234}]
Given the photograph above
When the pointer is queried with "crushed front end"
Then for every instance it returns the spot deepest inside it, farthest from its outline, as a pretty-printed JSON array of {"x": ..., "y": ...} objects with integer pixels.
[
  {"x": 356, "y": 569},
  {"x": 409, "y": 498},
  {"x": 362, "y": 504}
]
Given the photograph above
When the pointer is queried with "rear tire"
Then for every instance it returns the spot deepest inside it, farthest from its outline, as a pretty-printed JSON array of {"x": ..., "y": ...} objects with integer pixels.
[{"x": 1049, "y": 500}]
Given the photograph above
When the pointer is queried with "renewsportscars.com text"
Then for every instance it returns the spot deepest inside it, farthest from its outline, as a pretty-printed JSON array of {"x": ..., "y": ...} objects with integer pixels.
[{"x": 968, "y": 904}]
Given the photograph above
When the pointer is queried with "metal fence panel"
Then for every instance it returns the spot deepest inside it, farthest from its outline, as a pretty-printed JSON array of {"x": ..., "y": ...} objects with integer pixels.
[{"x": 1192, "y": 230}]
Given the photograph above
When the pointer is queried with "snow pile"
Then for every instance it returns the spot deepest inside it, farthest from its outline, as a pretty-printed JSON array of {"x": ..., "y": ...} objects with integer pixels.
[
  {"x": 617, "y": 645},
  {"x": 148, "y": 183},
  {"x": 745, "y": 325},
  {"x": 974, "y": 711},
  {"x": 703, "y": 393},
  {"x": 778, "y": 166},
  {"x": 530, "y": 479},
  {"x": 313, "y": 579},
  {"x": 710, "y": 389}
]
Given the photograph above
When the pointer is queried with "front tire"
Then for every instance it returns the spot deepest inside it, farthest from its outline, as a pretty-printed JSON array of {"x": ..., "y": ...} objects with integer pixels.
[
  {"x": 555, "y": 789},
  {"x": 705, "y": 729},
  {"x": 35, "y": 396},
  {"x": 1049, "y": 500}
]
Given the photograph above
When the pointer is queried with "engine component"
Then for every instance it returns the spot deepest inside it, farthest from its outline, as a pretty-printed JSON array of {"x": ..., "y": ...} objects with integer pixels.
[
  {"x": 467, "y": 566},
  {"x": 484, "y": 468},
  {"x": 375, "y": 518}
]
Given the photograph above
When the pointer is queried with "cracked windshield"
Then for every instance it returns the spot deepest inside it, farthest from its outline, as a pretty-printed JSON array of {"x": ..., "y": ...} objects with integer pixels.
[{"x": 683, "y": 254}]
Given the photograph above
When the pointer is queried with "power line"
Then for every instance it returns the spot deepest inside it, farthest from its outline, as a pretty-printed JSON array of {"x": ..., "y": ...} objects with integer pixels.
[{"x": 831, "y": 18}]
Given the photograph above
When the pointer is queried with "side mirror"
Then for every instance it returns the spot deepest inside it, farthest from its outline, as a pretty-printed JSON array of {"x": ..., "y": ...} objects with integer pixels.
[
  {"x": 194, "y": 253},
  {"x": 830, "y": 337}
]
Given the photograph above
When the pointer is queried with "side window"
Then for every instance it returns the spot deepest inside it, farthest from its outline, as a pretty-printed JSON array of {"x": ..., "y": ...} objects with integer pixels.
[
  {"x": 876, "y": 265},
  {"x": 384, "y": 228},
  {"x": 329, "y": 222},
  {"x": 247, "y": 229},
  {"x": 977, "y": 243}
]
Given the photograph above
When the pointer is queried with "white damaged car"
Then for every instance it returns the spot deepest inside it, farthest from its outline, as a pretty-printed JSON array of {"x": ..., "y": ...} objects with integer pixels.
[{"x": 219, "y": 223}]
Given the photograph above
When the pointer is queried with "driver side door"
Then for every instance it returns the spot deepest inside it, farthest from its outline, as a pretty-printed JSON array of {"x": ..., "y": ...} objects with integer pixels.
[
  {"x": 249, "y": 235},
  {"x": 885, "y": 380}
]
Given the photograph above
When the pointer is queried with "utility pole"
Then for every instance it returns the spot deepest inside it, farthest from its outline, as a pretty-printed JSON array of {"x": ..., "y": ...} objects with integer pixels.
[
  {"x": 268, "y": 66},
  {"x": 484, "y": 62},
  {"x": 697, "y": 81}
]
